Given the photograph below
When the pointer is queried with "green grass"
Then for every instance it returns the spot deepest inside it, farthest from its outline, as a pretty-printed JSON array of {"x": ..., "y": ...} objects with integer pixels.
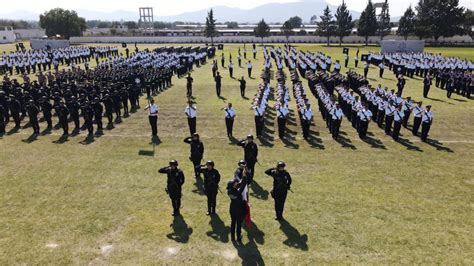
[{"x": 359, "y": 203}]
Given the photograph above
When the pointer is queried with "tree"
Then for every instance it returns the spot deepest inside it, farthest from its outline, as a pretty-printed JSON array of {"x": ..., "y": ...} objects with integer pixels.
[
  {"x": 367, "y": 22},
  {"x": 313, "y": 19},
  {"x": 131, "y": 25},
  {"x": 437, "y": 18},
  {"x": 295, "y": 22},
  {"x": 384, "y": 26},
  {"x": 344, "y": 22},
  {"x": 422, "y": 20},
  {"x": 210, "y": 31},
  {"x": 262, "y": 30},
  {"x": 63, "y": 22},
  {"x": 448, "y": 19},
  {"x": 327, "y": 26},
  {"x": 406, "y": 25},
  {"x": 232, "y": 25},
  {"x": 468, "y": 22},
  {"x": 287, "y": 29},
  {"x": 162, "y": 25}
]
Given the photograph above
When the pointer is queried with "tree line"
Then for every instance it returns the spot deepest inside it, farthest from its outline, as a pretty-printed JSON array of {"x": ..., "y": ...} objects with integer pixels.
[{"x": 429, "y": 19}]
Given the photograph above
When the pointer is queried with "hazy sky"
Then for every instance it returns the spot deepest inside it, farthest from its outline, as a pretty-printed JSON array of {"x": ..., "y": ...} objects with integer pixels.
[{"x": 173, "y": 7}]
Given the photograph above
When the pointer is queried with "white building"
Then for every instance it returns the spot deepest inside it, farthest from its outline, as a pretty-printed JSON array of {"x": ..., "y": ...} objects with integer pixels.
[{"x": 7, "y": 35}]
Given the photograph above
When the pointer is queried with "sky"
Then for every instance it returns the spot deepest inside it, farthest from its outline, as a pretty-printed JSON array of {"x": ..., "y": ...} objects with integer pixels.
[{"x": 174, "y": 7}]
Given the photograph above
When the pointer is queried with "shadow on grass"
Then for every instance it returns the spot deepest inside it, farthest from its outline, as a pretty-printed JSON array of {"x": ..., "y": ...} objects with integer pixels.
[
  {"x": 32, "y": 138},
  {"x": 13, "y": 131},
  {"x": 258, "y": 191},
  {"x": 219, "y": 232},
  {"x": 373, "y": 142},
  {"x": 295, "y": 238},
  {"x": 181, "y": 231},
  {"x": 409, "y": 145},
  {"x": 345, "y": 142},
  {"x": 61, "y": 140},
  {"x": 199, "y": 186},
  {"x": 438, "y": 145},
  {"x": 88, "y": 140},
  {"x": 249, "y": 252}
]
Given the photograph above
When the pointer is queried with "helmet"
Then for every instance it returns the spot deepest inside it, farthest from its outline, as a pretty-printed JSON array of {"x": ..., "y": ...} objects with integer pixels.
[
  {"x": 173, "y": 162},
  {"x": 250, "y": 136},
  {"x": 242, "y": 162},
  {"x": 211, "y": 163},
  {"x": 196, "y": 135},
  {"x": 281, "y": 164}
]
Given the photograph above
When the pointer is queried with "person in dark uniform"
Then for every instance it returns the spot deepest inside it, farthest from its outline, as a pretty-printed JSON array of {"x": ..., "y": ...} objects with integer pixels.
[
  {"x": 397, "y": 122},
  {"x": 98, "y": 111},
  {"x": 218, "y": 80},
  {"x": 237, "y": 209},
  {"x": 73, "y": 107},
  {"x": 174, "y": 183},
  {"x": 427, "y": 120},
  {"x": 211, "y": 185},
  {"x": 109, "y": 105},
  {"x": 191, "y": 113},
  {"x": 189, "y": 85},
  {"x": 249, "y": 69},
  {"x": 47, "y": 107},
  {"x": 231, "y": 69},
  {"x": 418, "y": 114},
  {"x": 229, "y": 118},
  {"x": 223, "y": 60},
  {"x": 400, "y": 85},
  {"x": 243, "y": 84},
  {"x": 281, "y": 185},
  {"x": 88, "y": 117},
  {"x": 15, "y": 108},
  {"x": 250, "y": 155},
  {"x": 197, "y": 151},
  {"x": 366, "y": 69},
  {"x": 33, "y": 111},
  {"x": 63, "y": 113},
  {"x": 124, "y": 96},
  {"x": 2, "y": 118},
  {"x": 426, "y": 86},
  {"x": 153, "y": 117}
]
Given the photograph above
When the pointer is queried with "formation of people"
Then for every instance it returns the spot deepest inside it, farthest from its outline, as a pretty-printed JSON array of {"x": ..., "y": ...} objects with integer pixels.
[
  {"x": 450, "y": 73},
  {"x": 237, "y": 188},
  {"x": 113, "y": 88}
]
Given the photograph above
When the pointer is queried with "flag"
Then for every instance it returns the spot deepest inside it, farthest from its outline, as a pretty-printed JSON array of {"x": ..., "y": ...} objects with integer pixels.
[{"x": 248, "y": 220}]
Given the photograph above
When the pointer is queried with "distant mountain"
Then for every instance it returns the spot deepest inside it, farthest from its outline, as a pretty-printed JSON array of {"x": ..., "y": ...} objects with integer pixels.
[
  {"x": 273, "y": 12},
  {"x": 87, "y": 14}
]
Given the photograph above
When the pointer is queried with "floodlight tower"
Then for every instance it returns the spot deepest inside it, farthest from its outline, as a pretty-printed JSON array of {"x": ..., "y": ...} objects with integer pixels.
[{"x": 146, "y": 19}]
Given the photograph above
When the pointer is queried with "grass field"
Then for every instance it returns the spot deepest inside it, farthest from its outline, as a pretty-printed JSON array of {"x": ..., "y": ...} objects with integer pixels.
[{"x": 103, "y": 202}]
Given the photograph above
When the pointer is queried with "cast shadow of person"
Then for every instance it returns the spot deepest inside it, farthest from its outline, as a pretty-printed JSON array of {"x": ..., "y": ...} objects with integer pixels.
[
  {"x": 181, "y": 231},
  {"x": 220, "y": 232},
  {"x": 408, "y": 144},
  {"x": 199, "y": 186},
  {"x": 314, "y": 140},
  {"x": 438, "y": 145},
  {"x": 373, "y": 142},
  {"x": 345, "y": 142},
  {"x": 258, "y": 191},
  {"x": 249, "y": 252},
  {"x": 295, "y": 238}
]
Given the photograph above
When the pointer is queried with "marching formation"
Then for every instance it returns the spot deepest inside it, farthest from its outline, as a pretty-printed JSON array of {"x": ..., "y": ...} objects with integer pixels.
[
  {"x": 119, "y": 81},
  {"x": 451, "y": 74}
]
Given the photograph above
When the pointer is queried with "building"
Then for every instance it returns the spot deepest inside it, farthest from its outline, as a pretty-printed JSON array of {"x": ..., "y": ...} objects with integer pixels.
[{"x": 7, "y": 35}]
